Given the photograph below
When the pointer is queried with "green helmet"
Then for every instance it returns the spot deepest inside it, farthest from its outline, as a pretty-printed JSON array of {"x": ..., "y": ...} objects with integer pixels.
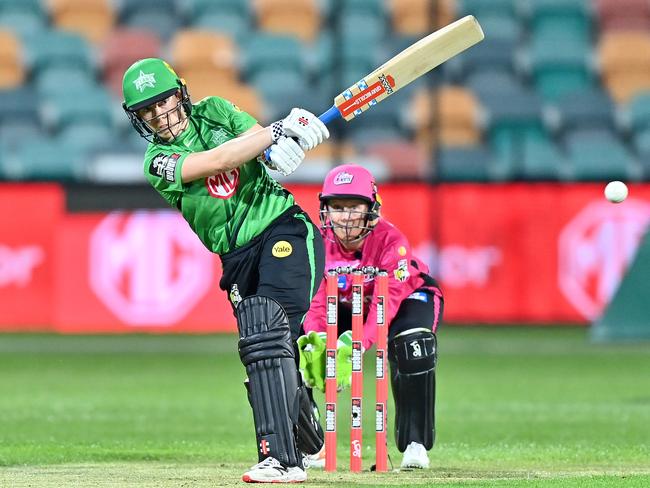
[{"x": 148, "y": 81}]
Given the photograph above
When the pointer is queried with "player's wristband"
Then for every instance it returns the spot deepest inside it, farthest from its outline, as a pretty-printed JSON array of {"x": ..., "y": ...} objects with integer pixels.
[{"x": 277, "y": 130}]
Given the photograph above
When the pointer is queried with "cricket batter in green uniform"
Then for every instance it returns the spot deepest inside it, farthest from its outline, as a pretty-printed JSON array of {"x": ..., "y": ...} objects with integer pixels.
[{"x": 206, "y": 159}]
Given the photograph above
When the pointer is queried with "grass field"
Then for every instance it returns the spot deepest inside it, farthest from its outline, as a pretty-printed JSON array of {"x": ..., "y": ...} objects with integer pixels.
[{"x": 516, "y": 407}]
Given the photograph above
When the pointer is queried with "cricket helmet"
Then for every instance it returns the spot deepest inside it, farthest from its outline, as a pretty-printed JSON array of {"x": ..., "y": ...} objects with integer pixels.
[
  {"x": 149, "y": 81},
  {"x": 350, "y": 181}
]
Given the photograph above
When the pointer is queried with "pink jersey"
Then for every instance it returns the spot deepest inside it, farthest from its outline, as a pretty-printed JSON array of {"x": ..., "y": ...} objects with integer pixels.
[{"x": 386, "y": 248}]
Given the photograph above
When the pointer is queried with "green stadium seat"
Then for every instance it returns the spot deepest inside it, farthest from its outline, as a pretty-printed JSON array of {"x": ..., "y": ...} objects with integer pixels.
[
  {"x": 462, "y": 164},
  {"x": 266, "y": 53},
  {"x": 159, "y": 16},
  {"x": 481, "y": 8},
  {"x": 512, "y": 117},
  {"x": 600, "y": 156},
  {"x": 501, "y": 27},
  {"x": 585, "y": 109},
  {"x": 91, "y": 136},
  {"x": 24, "y": 17},
  {"x": 55, "y": 80},
  {"x": 641, "y": 143},
  {"x": 277, "y": 87},
  {"x": 497, "y": 54},
  {"x": 46, "y": 159},
  {"x": 543, "y": 161},
  {"x": 638, "y": 112},
  {"x": 78, "y": 108},
  {"x": 60, "y": 50},
  {"x": 560, "y": 17},
  {"x": 559, "y": 68}
]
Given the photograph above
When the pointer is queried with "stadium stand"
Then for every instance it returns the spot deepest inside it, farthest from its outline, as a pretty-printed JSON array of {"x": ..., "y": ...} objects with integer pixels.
[
  {"x": 12, "y": 70},
  {"x": 93, "y": 19},
  {"x": 555, "y": 86}
]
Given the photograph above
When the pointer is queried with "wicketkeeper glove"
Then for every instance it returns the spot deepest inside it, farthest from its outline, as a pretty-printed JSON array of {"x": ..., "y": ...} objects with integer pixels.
[
  {"x": 344, "y": 361},
  {"x": 312, "y": 359}
]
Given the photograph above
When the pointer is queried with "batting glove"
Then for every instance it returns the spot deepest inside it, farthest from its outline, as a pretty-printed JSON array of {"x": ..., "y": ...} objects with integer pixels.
[
  {"x": 305, "y": 127},
  {"x": 284, "y": 156},
  {"x": 312, "y": 359}
]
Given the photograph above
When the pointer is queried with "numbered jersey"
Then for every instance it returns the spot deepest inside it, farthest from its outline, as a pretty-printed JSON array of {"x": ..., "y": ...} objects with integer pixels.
[{"x": 226, "y": 210}]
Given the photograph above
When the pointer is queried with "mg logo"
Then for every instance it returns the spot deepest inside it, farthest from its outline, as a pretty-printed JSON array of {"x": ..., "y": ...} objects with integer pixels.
[
  {"x": 595, "y": 249},
  {"x": 223, "y": 185},
  {"x": 148, "y": 267}
]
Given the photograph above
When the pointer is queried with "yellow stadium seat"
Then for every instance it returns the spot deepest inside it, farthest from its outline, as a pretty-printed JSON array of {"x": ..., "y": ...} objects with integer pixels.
[
  {"x": 625, "y": 61},
  {"x": 244, "y": 96},
  {"x": 93, "y": 19},
  {"x": 200, "y": 54},
  {"x": 12, "y": 69},
  {"x": 419, "y": 17},
  {"x": 300, "y": 18},
  {"x": 454, "y": 111}
]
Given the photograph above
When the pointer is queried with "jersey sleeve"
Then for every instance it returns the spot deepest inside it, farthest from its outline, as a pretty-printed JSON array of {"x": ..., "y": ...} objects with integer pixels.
[
  {"x": 230, "y": 115},
  {"x": 162, "y": 169},
  {"x": 396, "y": 260},
  {"x": 316, "y": 316}
]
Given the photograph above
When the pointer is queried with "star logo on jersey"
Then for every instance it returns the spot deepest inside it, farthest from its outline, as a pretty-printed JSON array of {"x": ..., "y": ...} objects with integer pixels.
[
  {"x": 145, "y": 80},
  {"x": 219, "y": 136}
]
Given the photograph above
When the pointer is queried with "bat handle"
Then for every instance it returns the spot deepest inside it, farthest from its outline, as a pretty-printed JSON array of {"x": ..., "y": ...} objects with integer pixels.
[{"x": 326, "y": 117}]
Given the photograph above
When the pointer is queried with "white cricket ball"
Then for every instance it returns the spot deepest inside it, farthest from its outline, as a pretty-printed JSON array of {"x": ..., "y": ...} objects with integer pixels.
[{"x": 616, "y": 191}]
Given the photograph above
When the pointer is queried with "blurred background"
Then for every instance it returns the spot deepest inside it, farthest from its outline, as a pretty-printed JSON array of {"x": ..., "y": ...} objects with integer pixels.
[{"x": 493, "y": 164}]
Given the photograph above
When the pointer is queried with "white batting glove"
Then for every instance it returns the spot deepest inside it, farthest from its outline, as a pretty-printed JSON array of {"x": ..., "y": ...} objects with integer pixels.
[
  {"x": 285, "y": 155},
  {"x": 306, "y": 127}
]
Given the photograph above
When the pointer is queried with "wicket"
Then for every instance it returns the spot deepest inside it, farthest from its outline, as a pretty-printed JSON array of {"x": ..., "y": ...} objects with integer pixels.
[{"x": 381, "y": 372}]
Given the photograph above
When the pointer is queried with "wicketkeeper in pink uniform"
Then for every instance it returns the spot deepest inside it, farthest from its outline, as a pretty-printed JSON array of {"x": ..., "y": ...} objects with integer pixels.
[{"x": 356, "y": 235}]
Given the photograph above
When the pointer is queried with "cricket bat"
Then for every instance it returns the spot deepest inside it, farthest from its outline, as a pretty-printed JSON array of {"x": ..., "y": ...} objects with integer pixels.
[{"x": 413, "y": 62}]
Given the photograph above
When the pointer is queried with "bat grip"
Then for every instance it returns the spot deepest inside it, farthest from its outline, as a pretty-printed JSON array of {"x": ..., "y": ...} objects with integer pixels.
[{"x": 326, "y": 117}]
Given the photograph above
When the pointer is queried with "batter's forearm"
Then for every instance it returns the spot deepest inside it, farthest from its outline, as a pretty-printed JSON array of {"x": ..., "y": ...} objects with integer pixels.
[{"x": 227, "y": 156}]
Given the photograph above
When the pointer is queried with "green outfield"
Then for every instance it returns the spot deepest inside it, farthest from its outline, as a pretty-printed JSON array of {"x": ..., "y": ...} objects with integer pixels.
[{"x": 516, "y": 407}]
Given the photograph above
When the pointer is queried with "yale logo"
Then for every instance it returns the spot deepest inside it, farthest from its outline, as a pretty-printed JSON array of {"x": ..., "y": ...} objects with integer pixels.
[{"x": 282, "y": 249}]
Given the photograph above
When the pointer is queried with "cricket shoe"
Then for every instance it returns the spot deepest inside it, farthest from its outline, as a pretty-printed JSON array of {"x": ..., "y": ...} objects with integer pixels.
[
  {"x": 271, "y": 471},
  {"x": 316, "y": 461},
  {"x": 415, "y": 457}
]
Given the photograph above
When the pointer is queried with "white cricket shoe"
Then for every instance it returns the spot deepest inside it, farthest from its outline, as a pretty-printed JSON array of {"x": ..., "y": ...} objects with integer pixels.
[
  {"x": 271, "y": 471},
  {"x": 316, "y": 461},
  {"x": 415, "y": 457}
]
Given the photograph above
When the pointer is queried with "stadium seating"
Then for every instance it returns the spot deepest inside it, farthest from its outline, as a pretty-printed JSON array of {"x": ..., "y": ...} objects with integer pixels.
[
  {"x": 559, "y": 67},
  {"x": 457, "y": 112},
  {"x": 300, "y": 18},
  {"x": 558, "y": 90},
  {"x": 591, "y": 109},
  {"x": 159, "y": 16},
  {"x": 623, "y": 15},
  {"x": 625, "y": 60},
  {"x": 549, "y": 18},
  {"x": 46, "y": 159},
  {"x": 93, "y": 19},
  {"x": 121, "y": 49},
  {"x": 24, "y": 17},
  {"x": 195, "y": 53},
  {"x": 459, "y": 164},
  {"x": 419, "y": 17},
  {"x": 542, "y": 160},
  {"x": 12, "y": 70},
  {"x": 232, "y": 17},
  {"x": 599, "y": 156}
]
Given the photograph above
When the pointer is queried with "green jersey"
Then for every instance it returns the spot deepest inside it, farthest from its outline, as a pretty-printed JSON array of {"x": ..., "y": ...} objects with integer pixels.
[{"x": 226, "y": 210}]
